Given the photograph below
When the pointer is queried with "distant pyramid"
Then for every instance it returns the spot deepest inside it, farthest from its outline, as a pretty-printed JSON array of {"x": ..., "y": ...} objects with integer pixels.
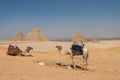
[
  {"x": 78, "y": 37},
  {"x": 19, "y": 37},
  {"x": 35, "y": 35}
]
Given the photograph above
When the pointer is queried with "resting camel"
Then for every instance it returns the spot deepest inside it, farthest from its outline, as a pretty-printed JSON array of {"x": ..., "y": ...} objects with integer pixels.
[
  {"x": 73, "y": 53},
  {"x": 15, "y": 50}
]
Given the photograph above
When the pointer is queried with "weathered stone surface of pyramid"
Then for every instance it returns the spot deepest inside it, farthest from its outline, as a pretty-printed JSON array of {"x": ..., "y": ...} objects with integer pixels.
[
  {"x": 19, "y": 37},
  {"x": 35, "y": 35},
  {"x": 78, "y": 37}
]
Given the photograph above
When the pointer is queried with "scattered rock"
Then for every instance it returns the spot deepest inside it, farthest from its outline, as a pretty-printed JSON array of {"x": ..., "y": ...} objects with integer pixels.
[{"x": 41, "y": 63}]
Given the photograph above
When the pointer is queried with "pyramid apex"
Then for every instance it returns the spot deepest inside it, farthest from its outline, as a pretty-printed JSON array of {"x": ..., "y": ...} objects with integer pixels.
[
  {"x": 78, "y": 37},
  {"x": 35, "y": 29},
  {"x": 19, "y": 37},
  {"x": 35, "y": 35}
]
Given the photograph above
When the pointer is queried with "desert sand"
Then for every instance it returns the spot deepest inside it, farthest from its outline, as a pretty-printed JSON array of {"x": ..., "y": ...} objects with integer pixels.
[{"x": 44, "y": 64}]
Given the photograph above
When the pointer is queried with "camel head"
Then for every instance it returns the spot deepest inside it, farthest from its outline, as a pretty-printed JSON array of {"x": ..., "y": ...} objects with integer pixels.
[
  {"x": 28, "y": 49},
  {"x": 63, "y": 51},
  {"x": 59, "y": 48}
]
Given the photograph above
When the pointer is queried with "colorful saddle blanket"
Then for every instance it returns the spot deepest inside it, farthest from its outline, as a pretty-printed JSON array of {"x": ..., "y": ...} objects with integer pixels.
[{"x": 77, "y": 48}]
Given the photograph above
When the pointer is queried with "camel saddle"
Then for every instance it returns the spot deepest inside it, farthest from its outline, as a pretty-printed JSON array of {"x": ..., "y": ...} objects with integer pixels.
[{"x": 77, "y": 48}]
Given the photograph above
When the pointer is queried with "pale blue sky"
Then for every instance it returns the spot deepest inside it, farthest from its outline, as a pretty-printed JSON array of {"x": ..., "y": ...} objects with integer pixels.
[{"x": 59, "y": 19}]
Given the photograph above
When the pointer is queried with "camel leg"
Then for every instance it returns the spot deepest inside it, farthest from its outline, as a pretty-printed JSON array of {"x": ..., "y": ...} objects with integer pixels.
[
  {"x": 84, "y": 62},
  {"x": 73, "y": 62}
]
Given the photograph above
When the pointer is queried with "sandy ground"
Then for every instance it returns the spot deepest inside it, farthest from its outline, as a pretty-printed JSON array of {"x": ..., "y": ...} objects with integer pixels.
[{"x": 103, "y": 62}]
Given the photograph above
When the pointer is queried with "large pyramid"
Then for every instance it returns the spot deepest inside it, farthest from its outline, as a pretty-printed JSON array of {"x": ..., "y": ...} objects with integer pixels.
[
  {"x": 19, "y": 37},
  {"x": 78, "y": 37},
  {"x": 35, "y": 35}
]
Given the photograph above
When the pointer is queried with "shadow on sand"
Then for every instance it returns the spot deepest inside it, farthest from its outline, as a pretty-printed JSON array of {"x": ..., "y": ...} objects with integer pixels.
[
  {"x": 71, "y": 67},
  {"x": 27, "y": 55},
  {"x": 66, "y": 66}
]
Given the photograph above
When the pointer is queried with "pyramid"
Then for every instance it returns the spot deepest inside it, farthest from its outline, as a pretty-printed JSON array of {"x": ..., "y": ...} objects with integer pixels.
[
  {"x": 35, "y": 35},
  {"x": 78, "y": 37},
  {"x": 19, "y": 37}
]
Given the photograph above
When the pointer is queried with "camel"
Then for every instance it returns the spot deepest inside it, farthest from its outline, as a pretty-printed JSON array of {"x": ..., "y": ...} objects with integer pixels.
[
  {"x": 15, "y": 50},
  {"x": 73, "y": 53}
]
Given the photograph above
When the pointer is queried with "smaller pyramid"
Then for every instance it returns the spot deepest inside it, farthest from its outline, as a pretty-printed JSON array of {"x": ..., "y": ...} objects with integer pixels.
[
  {"x": 78, "y": 37},
  {"x": 35, "y": 35},
  {"x": 19, "y": 37}
]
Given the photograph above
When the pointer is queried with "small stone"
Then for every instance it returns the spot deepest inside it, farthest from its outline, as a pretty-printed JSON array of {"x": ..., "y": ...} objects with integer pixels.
[{"x": 41, "y": 63}]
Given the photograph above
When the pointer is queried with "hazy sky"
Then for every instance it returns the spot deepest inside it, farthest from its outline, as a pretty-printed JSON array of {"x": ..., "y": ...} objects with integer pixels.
[{"x": 60, "y": 18}]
